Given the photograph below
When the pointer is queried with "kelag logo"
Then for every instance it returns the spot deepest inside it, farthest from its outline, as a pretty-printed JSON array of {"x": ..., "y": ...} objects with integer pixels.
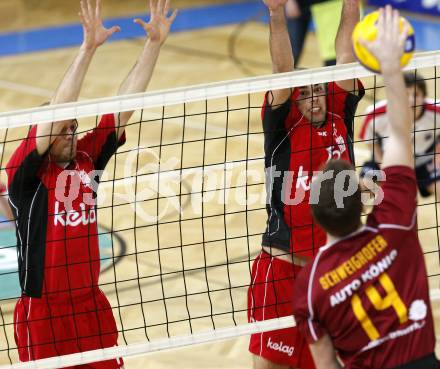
[{"x": 10, "y": 286}]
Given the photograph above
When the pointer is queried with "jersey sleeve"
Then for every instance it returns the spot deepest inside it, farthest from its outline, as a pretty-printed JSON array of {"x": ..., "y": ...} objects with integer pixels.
[
  {"x": 22, "y": 169},
  {"x": 101, "y": 143},
  {"x": 399, "y": 205},
  {"x": 274, "y": 124},
  {"x": 303, "y": 310},
  {"x": 274, "y": 117},
  {"x": 344, "y": 103}
]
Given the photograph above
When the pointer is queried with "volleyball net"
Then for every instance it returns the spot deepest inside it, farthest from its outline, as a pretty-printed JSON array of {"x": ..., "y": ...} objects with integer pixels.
[{"x": 181, "y": 209}]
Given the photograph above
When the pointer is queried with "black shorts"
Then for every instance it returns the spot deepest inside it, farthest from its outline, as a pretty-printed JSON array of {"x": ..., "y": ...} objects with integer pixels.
[
  {"x": 427, "y": 362},
  {"x": 426, "y": 174}
]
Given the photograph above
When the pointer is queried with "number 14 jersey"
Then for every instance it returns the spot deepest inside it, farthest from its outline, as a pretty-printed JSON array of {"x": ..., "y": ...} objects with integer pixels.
[{"x": 369, "y": 291}]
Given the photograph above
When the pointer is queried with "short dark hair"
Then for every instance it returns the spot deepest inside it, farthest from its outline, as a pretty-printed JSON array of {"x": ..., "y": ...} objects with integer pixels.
[
  {"x": 415, "y": 79},
  {"x": 337, "y": 220}
]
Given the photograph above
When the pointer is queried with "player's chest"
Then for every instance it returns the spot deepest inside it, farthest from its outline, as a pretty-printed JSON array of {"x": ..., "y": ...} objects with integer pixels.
[
  {"x": 311, "y": 147},
  {"x": 71, "y": 194}
]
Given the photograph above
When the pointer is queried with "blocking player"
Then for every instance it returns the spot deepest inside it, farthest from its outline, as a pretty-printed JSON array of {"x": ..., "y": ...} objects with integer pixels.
[
  {"x": 52, "y": 187},
  {"x": 424, "y": 116},
  {"x": 303, "y": 128},
  {"x": 366, "y": 293}
]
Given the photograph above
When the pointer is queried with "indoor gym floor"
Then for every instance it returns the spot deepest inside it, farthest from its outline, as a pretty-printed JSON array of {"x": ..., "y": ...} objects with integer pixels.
[{"x": 189, "y": 57}]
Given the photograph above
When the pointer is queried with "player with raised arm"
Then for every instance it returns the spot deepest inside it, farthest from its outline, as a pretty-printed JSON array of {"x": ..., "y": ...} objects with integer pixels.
[
  {"x": 303, "y": 129},
  {"x": 425, "y": 115},
  {"x": 365, "y": 295},
  {"x": 52, "y": 181}
]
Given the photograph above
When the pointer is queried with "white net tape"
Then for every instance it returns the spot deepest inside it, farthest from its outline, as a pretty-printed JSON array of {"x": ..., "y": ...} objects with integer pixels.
[{"x": 199, "y": 92}]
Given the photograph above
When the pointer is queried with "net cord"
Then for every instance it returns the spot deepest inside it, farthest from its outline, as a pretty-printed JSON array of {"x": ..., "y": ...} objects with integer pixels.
[
  {"x": 138, "y": 349},
  {"x": 161, "y": 98},
  {"x": 155, "y": 346}
]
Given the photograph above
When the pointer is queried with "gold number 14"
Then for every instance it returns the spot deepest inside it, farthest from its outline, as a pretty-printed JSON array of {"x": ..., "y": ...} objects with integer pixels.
[{"x": 392, "y": 299}]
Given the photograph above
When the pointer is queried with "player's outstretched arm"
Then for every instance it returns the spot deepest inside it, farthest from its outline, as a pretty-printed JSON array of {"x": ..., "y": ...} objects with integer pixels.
[
  {"x": 138, "y": 78},
  {"x": 388, "y": 49},
  {"x": 344, "y": 50},
  {"x": 95, "y": 34},
  {"x": 280, "y": 48}
]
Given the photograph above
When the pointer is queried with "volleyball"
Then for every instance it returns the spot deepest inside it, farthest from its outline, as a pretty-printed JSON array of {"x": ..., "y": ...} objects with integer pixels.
[{"x": 367, "y": 30}]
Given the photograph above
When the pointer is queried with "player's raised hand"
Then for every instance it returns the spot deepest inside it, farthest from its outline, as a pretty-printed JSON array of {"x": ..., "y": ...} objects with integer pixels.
[
  {"x": 389, "y": 45},
  {"x": 275, "y": 4},
  {"x": 159, "y": 25},
  {"x": 95, "y": 34}
]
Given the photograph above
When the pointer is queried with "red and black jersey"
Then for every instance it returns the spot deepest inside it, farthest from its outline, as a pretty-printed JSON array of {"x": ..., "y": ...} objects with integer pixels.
[
  {"x": 369, "y": 291},
  {"x": 57, "y": 238},
  {"x": 294, "y": 150}
]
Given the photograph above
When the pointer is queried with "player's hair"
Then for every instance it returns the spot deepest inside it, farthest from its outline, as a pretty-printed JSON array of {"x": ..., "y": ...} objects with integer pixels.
[
  {"x": 338, "y": 221},
  {"x": 415, "y": 79}
]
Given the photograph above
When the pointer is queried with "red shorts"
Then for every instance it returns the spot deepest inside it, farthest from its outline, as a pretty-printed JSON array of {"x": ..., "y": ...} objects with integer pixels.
[
  {"x": 270, "y": 296},
  {"x": 45, "y": 329}
]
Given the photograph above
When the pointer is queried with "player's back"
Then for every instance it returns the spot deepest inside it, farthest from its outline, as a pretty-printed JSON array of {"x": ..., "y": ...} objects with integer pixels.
[
  {"x": 376, "y": 297},
  {"x": 369, "y": 290}
]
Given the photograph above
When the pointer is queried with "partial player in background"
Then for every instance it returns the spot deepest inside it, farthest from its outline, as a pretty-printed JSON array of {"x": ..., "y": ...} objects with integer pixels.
[
  {"x": 303, "y": 129},
  {"x": 326, "y": 16},
  {"x": 425, "y": 117},
  {"x": 52, "y": 180},
  {"x": 365, "y": 296}
]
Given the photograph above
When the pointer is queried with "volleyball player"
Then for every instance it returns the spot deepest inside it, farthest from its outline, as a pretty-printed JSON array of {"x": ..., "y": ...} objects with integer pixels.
[
  {"x": 425, "y": 116},
  {"x": 366, "y": 293},
  {"x": 303, "y": 129},
  {"x": 52, "y": 186}
]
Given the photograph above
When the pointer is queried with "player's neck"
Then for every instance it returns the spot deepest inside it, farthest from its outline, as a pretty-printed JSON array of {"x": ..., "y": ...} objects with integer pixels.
[{"x": 332, "y": 239}]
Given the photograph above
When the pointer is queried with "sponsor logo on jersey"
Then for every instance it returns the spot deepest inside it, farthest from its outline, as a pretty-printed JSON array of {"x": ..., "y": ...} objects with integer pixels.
[
  {"x": 279, "y": 346},
  {"x": 417, "y": 313},
  {"x": 72, "y": 217}
]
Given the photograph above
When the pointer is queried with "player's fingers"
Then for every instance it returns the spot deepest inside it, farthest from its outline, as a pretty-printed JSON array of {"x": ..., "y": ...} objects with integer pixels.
[
  {"x": 81, "y": 18},
  {"x": 140, "y": 22},
  {"x": 389, "y": 19},
  {"x": 167, "y": 7},
  {"x": 152, "y": 7},
  {"x": 113, "y": 30},
  {"x": 90, "y": 9},
  {"x": 173, "y": 16},
  {"x": 380, "y": 21},
  {"x": 98, "y": 8},
  {"x": 159, "y": 8},
  {"x": 403, "y": 35},
  {"x": 396, "y": 25},
  {"x": 84, "y": 10}
]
